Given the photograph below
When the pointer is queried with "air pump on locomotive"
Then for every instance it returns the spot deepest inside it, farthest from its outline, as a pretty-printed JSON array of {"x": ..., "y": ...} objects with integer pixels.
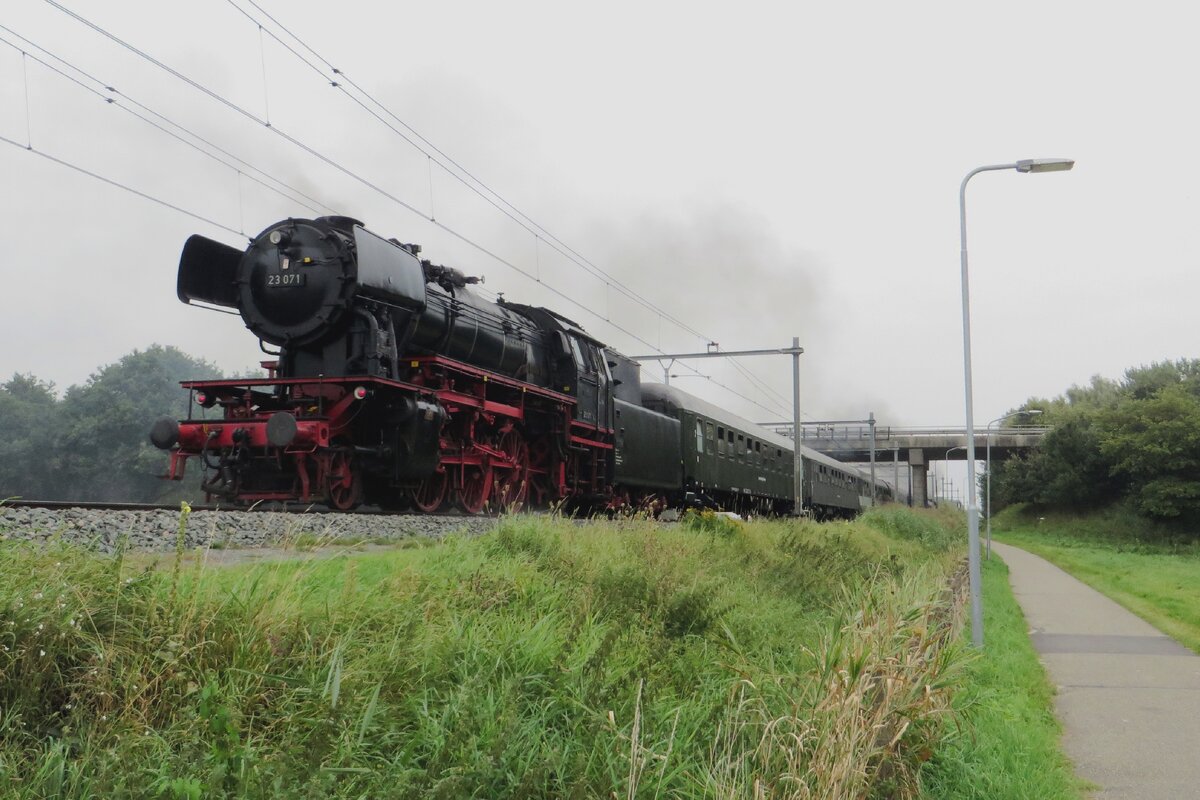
[{"x": 394, "y": 383}]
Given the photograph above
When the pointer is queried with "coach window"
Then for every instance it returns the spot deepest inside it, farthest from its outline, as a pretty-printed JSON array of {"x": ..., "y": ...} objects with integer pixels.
[
  {"x": 721, "y": 441},
  {"x": 710, "y": 434},
  {"x": 699, "y": 436},
  {"x": 740, "y": 451}
]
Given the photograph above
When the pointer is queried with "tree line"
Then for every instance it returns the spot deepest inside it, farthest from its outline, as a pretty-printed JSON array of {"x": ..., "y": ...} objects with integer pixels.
[
  {"x": 1135, "y": 440},
  {"x": 92, "y": 443}
]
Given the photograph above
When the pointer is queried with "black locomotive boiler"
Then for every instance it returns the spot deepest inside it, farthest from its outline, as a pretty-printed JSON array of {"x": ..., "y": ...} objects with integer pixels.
[{"x": 393, "y": 382}]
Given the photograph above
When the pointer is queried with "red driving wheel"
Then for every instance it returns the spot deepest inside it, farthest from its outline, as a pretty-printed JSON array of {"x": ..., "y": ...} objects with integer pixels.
[
  {"x": 344, "y": 487},
  {"x": 512, "y": 484},
  {"x": 430, "y": 493},
  {"x": 475, "y": 488}
]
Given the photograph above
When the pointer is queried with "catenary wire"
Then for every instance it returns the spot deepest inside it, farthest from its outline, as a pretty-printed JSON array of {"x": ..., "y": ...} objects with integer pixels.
[
  {"x": 341, "y": 168},
  {"x": 341, "y": 80},
  {"x": 118, "y": 184},
  {"x": 544, "y": 233},
  {"x": 115, "y": 99}
]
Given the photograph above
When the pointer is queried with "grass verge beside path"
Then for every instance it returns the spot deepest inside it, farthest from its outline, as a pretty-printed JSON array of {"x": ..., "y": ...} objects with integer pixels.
[
  {"x": 1008, "y": 745},
  {"x": 709, "y": 659},
  {"x": 1156, "y": 578}
]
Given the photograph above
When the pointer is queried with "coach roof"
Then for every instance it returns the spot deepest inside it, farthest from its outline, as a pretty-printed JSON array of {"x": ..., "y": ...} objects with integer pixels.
[{"x": 675, "y": 398}]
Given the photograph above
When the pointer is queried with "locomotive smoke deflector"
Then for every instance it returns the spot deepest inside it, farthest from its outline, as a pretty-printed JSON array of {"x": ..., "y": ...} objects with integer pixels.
[
  {"x": 389, "y": 272},
  {"x": 207, "y": 270}
]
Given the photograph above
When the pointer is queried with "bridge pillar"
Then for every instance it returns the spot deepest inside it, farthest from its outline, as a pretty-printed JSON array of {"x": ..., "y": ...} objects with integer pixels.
[{"x": 920, "y": 471}]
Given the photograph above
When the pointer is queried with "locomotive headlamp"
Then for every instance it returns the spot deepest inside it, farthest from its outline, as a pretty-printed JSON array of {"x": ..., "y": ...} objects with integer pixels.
[
  {"x": 205, "y": 399},
  {"x": 360, "y": 393},
  {"x": 275, "y": 237}
]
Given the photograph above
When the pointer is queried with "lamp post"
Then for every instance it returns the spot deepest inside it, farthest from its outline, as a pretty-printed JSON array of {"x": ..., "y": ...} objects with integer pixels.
[
  {"x": 987, "y": 497},
  {"x": 1026, "y": 165}
]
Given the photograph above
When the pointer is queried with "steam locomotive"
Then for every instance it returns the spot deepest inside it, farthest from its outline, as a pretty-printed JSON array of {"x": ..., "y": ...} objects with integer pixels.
[{"x": 394, "y": 383}]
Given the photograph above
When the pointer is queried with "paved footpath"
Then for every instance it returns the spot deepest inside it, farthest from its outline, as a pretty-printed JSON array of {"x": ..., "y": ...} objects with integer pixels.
[{"x": 1128, "y": 696}]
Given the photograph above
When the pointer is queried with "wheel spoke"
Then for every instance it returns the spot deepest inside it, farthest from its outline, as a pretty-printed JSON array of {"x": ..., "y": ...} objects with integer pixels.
[
  {"x": 512, "y": 484},
  {"x": 430, "y": 493},
  {"x": 476, "y": 487},
  {"x": 344, "y": 485}
]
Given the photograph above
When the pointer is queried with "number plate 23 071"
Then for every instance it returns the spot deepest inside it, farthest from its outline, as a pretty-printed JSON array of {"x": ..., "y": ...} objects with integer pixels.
[{"x": 286, "y": 279}]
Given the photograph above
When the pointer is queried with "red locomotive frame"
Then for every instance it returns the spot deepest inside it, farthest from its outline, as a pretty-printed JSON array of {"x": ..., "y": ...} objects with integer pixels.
[{"x": 502, "y": 442}]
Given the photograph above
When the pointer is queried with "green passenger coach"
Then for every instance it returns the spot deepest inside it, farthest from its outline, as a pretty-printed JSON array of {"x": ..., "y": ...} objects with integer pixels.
[{"x": 730, "y": 463}]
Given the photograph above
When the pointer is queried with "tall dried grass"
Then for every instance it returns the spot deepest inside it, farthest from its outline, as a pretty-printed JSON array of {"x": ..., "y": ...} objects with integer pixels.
[{"x": 866, "y": 717}]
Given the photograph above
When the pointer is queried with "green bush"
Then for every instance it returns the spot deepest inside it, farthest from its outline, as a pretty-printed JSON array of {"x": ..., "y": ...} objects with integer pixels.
[
  {"x": 1135, "y": 441},
  {"x": 937, "y": 531}
]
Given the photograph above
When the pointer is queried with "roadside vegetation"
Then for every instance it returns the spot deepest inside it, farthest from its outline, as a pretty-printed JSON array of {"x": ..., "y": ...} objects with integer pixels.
[
  {"x": 548, "y": 659},
  {"x": 92, "y": 442},
  {"x": 1135, "y": 441},
  {"x": 1151, "y": 568},
  {"x": 1005, "y": 743}
]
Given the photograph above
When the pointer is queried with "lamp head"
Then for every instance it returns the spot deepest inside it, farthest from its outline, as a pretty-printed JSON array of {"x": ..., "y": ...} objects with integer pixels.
[{"x": 1045, "y": 164}]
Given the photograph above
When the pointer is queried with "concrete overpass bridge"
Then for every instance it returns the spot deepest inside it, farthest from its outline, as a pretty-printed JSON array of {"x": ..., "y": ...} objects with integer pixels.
[{"x": 917, "y": 446}]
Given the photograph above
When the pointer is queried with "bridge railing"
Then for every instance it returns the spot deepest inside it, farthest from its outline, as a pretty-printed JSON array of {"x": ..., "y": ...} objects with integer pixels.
[{"x": 883, "y": 433}]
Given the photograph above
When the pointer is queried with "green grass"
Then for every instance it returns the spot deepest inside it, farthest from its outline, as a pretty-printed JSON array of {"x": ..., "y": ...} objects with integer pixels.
[
  {"x": 546, "y": 659},
  {"x": 1007, "y": 745},
  {"x": 1152, "y": 572}
]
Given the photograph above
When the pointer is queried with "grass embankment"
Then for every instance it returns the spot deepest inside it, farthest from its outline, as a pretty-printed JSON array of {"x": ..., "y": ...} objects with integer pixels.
[
  {"x": 544, "y": 660},
  {"x": 1007, "y": 747},
  {"x": 1153, "y": 570}
]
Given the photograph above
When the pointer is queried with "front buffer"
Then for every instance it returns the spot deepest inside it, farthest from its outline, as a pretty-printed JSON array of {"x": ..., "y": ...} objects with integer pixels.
[{"x": 310, "y": 440}]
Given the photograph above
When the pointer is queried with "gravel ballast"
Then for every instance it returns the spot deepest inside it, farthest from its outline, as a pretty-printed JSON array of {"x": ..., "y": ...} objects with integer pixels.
[{"x": 102, "y": 530}]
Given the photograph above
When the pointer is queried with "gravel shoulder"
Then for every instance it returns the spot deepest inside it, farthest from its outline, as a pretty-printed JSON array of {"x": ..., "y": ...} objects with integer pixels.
[{"x": 225, "y": 531}]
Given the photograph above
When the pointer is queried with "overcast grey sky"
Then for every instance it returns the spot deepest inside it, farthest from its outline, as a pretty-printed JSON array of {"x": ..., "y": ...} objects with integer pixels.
[{"x": 759, "y": 170}]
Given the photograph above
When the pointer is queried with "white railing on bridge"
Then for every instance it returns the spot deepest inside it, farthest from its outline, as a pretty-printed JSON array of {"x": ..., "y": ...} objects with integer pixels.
[{"x": 861, "y": 433}]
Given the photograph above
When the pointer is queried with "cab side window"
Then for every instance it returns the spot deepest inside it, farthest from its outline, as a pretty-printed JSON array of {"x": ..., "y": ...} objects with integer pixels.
[{"x": 578, "y": 354}]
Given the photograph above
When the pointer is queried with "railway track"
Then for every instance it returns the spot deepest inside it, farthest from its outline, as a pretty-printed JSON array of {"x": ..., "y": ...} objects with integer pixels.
[
  {"x": 155, "y": 526},
  {"x": 87, "y": 505}
]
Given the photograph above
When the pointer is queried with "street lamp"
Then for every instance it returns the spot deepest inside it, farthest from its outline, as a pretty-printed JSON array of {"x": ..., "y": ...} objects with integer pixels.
[
  {"x": 1027, "y": 165},
  {"x": 987, "y": 499}
]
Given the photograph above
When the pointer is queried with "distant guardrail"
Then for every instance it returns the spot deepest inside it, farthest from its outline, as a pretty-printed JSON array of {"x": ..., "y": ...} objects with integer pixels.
[{"x": 860, "y": 433}]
